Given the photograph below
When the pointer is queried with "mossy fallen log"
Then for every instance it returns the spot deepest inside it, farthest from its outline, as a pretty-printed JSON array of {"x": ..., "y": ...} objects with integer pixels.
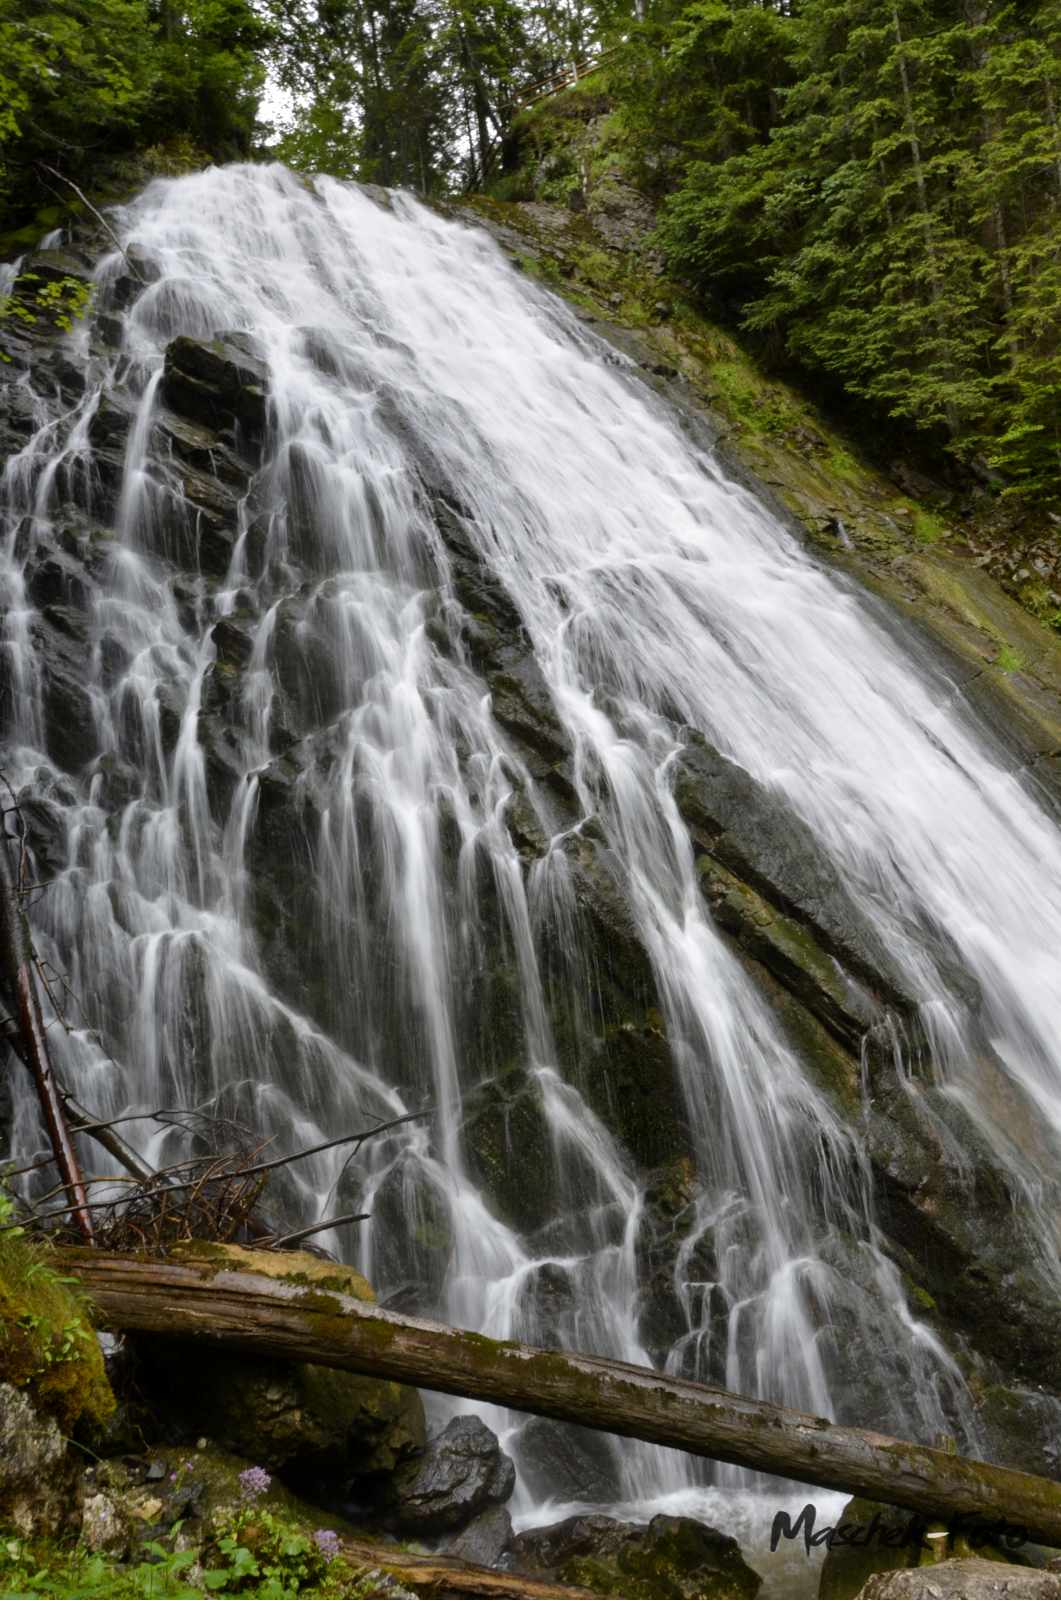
[{"x": 205, "y": 1298}]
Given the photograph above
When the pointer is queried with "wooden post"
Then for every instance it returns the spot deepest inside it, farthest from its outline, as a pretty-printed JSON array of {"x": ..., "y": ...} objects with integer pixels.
[{"x": 199, "y": 1297}]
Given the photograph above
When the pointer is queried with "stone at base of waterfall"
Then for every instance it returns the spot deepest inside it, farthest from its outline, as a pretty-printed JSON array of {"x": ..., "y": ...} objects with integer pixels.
[
  {"x": 40, "y": 1477},
  {"x": 316, "y": 1425},
  {"x": 963, "y": 1579},
  {"x": 461, "y": 1473},
  {"x": 670, "y": 1557},
  {"x": 485, "y": 1540},
  {"x": 106, "y": 1527}
]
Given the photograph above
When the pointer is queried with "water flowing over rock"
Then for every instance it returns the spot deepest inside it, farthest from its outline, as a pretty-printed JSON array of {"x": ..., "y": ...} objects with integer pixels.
[{"x": 410, "y": 707}]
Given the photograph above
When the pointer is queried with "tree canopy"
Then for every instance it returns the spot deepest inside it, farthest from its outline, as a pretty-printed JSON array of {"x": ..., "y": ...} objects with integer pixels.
[{"x": 871, "y": 189}]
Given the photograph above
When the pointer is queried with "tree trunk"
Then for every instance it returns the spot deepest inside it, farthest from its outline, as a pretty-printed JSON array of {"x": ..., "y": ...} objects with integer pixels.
[
  {"x": 202, "y": 1299},
  {"x": 18, "y": 985}
]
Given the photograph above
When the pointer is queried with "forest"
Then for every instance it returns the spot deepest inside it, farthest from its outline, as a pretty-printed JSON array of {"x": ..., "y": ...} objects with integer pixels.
[{"x": 870, "y": 191}]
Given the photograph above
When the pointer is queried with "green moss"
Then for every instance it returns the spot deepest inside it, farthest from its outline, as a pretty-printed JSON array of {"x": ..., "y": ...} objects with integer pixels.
[
  {"x": 47, "y": 1341},
  {"x": 928, "y": 527},
  {"x": 1010, "y": 660}
]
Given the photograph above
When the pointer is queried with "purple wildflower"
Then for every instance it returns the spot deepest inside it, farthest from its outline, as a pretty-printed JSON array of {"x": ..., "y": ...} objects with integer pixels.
[
  {"x": 327, "y": 1544},
  {"x": 173, "y": 1478},
  {"x": 255, "y": 1482}
]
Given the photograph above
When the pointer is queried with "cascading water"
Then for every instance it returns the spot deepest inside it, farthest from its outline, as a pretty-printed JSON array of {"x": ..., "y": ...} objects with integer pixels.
[{"x": 409, "y": 953}]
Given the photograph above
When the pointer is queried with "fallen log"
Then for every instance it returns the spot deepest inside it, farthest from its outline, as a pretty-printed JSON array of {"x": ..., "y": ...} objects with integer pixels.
[
  {"x": 202, "y": 1299},
  {"x": 444, "y": 1576}
]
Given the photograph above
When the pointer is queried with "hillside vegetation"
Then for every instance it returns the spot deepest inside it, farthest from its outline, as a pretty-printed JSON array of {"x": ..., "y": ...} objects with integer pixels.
[{"x": 868, "y": 192}]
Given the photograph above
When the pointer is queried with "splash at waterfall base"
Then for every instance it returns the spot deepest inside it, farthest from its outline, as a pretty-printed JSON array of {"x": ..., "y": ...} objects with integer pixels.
[{"x": 410, "y": 706}]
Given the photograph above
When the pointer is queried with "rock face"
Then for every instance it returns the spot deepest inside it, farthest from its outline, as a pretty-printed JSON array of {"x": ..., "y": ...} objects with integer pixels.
[
  {"x": 967, "y": 1577},
  {"x": 40, "y": 1476},
  {"x": 462, "y": 1472},
  {"x": 671, "y": 1557}
]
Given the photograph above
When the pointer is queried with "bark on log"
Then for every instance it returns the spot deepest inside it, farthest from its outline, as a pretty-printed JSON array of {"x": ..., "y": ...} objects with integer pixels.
[
  {"x": 16, "y": 958},
  {"x": 447, "y": 1576},
  {"x": 203, "y": 1300}
]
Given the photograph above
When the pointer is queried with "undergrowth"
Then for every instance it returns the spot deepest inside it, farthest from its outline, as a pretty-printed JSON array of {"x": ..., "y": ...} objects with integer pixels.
[{"x": 47, "y": 1342}]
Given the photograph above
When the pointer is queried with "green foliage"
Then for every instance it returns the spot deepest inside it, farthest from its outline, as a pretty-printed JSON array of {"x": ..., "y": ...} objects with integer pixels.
[
  {"x": 263, "y": 1554},
  {"x": 62, "y": 302},
  {"x": 873, "y": 188},
  {"x": 39, "y": 1568},
  {"x": 84, "y": 80},
  {"x": 47, "y": 1342},
  {"x": 417, "y": 92}
]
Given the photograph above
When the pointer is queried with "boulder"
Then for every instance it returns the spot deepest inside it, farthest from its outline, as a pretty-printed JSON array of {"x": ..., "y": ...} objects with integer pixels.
[
  {"x": 847, "y": 1567},
  {"x": 40, "y": 1477},
  {"x": 485, "y": 1540},
  {"x": 969, "y": 1578},
  {"x": 309, "y": 1423},
  {"x": 671, "y": 1557},
  {"x": 462, "y": 1472},
  {"x": 564, "y": 1462}
]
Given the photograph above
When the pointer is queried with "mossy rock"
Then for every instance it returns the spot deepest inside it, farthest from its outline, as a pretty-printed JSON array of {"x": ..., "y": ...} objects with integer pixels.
[
  {"x": 508, "y": 1149},
  {"x": 48, "y": 1346},
  {"x": 676, "y": 1558},
  {"x": 313, "y": 1424}
]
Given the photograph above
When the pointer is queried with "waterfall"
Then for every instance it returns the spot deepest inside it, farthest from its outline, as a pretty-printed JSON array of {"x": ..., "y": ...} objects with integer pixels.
[{"x": 292, "y": 876}]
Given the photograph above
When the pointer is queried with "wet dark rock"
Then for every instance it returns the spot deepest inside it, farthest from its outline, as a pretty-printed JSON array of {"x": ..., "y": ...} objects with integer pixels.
[
  {"x": 40, "y": 1475},
  {"x": 542, "y": 1551},
  {"x": 790, "y": 952},
  {"x": 1025, "y": 1429},
  {"x": 55, "y": 580},
  {"x": 69, "y": 729},
  {"x": 109, "y": 330},
  {"x": 142, "y": 264},
  {"x": 485, "y": 1540},
  {"x": 672, "y": 1557},
  {"x": 560, "y": 1461},
  {"x": 109, "y": 425},
  {"x": 233, "y": 643},
  {"x": 61, "y": 371},
  {"x": 204, "y": 380},
  {"x": 958, "y": 1228},
  {"x": 751, "y": 832},
  {"x": 411, "y": 1219},
  {"x": 617, "y": 1054},
  {"x": 509, "y": 1149},
  {"x": 19, "y": 413},
  {"x": 462, "y": 1472},
  {"x": 667, "y": 1221}
]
